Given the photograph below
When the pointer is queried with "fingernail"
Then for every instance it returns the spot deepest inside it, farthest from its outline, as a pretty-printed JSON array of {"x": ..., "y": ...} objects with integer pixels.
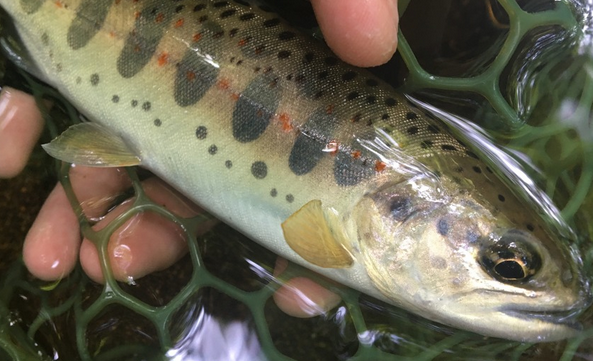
[{"x": 7, "y": 111}]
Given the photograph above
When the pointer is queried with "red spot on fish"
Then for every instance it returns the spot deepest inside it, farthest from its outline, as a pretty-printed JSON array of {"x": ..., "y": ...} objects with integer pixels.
[
  {"x": 332, "y": 147},
  {"x": 163, "y": 58},
  {"x": 179, "y": 23},
  {"x": 380, "y": 166},
  {"x": 59, "y": 4},
  {"x": 285, "y": 122},
  {"x": 223, "y": 84},
  {"x": 235, "y": 96},
  {"x": 243, "y": 42},
  {"x": 137, "y": 15},
  {"x": 117, "y": 2},
  {"x": 112, "y": 34},
  {"x": 190, "y": 75},
  {"x": 329, "y": 109},
  {"x": 356, "y": 154},
  {"x": 260, "y": 113},
  {"x": 137, "y": 48},
  {"x": 197, "y": 37},
  {"x": 160, "y": 17}
]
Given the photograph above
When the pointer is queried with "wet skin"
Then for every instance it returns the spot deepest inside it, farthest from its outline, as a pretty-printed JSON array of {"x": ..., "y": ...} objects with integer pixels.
[{"x": 361, "y": 32}]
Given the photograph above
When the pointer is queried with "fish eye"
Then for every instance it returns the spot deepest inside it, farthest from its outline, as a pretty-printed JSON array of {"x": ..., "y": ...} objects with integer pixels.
[
  {"x": 400, "y": 208},
  {"x": 511, "y": 259}
]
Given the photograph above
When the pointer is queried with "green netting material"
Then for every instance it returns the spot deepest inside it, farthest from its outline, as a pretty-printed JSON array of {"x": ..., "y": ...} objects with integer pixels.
[{"x": 567, "y": 170}]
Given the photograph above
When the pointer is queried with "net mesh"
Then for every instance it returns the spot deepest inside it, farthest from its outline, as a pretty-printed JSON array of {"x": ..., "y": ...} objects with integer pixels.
[{"x": 532, "y": 97}]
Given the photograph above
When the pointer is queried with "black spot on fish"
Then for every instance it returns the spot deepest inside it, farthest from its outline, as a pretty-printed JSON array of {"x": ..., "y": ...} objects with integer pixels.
[
  {"x": 400, "y": 208},
  {"x": 220, "y": 4},
  {"x": 142, "y": 41},
  {"x": 448, "y": 147},
  {"x": 371, "y": 99},
  {"x": 322, "y": 75},
  {"x": 158, "y": 122},
  {"x": 501, "y": 198},
  {"x": 146, "y": 106},
  {"x": 350, "y": 75},
  {"x": 115, "y": 98},
  {"x": 247, "y": 17},
  {"x": 443, "y": 227},
  {"x": 213, "y": 149},
  {"x": 411, "y": 116},
  {"x": 289, "y": 198},
  {"x": 286, "y": 35},
  {"x": 425, "y": 144},
  {"x": 477, "y": 169},
  {"x": 259, "y": 170},
  {"x": 201, "y": 132},
  {"x": 351, "y": 96},
  {"x": 284, "y": 54},
  {"x": 179, "y": 8},
  {"x": 228, "y": 164},
  {"x": 471, "y": 154},
  {"x": 199, "y": 7},
  {"x": 413, "y": 130},
  {"x": 95, "y": 79},
  {"x": 273, "y": 192},
  {"x": 228, "y": 13},
  {"x": 255, "y": 108},
  {"x": 270, "y": 23},
  {"x": 45, "y": 39},
  {"x": 89, "y": 19},
  {"x": 308, "y": 58},
  {"x": 390, "y": 102},
  {"x": 530, "y": 227},
  {"x": 134, "y": 103},
  {"x": 241, "y": 2}
]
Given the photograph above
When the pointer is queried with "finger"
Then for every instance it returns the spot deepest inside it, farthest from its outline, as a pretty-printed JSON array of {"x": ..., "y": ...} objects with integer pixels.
[
  {"x": 301, "y": 297},
  {"x": 51, "y": 247},
  {"x": 21, "y": 124},
  {"x": 145, "y": 243},
  {"x": 361, "y": 32}
]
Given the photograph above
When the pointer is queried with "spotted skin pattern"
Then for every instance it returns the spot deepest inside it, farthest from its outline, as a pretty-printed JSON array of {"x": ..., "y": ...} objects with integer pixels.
[
  {"x": 295, "y": 106},
  {"x": 242, "y": 113}
]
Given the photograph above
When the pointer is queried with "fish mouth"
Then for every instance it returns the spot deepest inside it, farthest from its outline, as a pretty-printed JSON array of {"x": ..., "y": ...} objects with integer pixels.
[{"x": 566, "y": 318}]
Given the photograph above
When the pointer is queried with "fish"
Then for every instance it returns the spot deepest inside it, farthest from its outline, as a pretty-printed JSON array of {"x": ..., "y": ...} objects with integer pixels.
[{"x": 319, "y": 161}]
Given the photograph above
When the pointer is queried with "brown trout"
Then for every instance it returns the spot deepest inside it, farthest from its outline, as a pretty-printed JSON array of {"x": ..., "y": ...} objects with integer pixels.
[{"x": 319, "y": 161}]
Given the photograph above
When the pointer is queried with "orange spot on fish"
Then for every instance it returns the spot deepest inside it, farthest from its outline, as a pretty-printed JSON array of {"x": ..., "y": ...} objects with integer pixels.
[
  {"x": 112, "y": 34},
  {"x": 332, "y": 147},
  {"x": 137, "y": 15},
  {"x": 117, "y": 2},
  {"x": 190, "y": 75},
  {"x": 380, "y": 166},
  {"x": 163, "y": 58},
  {"x": 329, "y": 109},
  {"x": 197, "y": 37},
  {"x": 59, "y": 4},
  {"x": 356, "y": 154},
  {"x": 243, "y": 42},
  {"x": 223, "y": 84},
  {"x": 235, "y": 96},
  {"x": 285, "y": 122},
  {"x": 137, "y": 48},
  {"x": 160, "y": 17},
  {"x": 179, "y": 23}
]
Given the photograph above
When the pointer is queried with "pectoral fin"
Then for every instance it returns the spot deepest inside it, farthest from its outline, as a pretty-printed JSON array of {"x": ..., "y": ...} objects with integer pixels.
[
  {"x": 92, "y": 145},
  {"x": 317, "y": 237}
]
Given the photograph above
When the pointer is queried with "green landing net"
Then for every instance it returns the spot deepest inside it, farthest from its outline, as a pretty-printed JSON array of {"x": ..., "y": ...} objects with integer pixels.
[{"x": 519, "y": 69}]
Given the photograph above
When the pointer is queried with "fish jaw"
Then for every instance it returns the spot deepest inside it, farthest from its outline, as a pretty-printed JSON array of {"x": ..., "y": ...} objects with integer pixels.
[{"x": 432, "y": 254}]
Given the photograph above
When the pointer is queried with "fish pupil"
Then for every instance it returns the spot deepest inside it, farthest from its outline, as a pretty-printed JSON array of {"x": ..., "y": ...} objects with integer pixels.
[{"x": 510, "y": 269}]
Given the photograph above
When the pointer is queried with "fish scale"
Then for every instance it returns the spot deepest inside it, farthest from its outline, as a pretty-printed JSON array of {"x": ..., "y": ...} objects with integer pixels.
[{"x": 319, "y": 161}]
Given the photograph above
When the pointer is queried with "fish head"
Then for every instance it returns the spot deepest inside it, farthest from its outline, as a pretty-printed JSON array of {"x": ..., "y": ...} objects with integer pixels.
[{"x": 450, "y": 257}]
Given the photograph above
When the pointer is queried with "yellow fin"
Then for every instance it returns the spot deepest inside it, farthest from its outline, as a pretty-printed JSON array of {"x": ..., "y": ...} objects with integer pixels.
[
  {"x": 92, "y": 145},
  {"x": 315, "y": 235}
]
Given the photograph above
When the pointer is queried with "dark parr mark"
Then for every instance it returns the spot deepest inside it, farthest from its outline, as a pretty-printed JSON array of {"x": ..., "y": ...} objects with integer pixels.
[
  {"x": 195, "y": 75},
  {"x": 90, "y": 17},
  {"x": 255, "y": 108},
  {"x": 312, "y": 139},
  {"x": 259, "y": 170},
  {"x": 142, "y": 41}
]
